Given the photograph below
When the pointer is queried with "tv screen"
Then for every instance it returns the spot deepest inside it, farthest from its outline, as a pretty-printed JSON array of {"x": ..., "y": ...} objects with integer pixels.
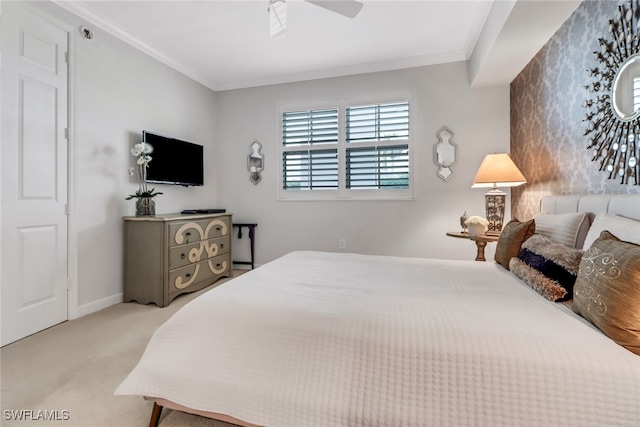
[{"x": 174, "y": 161}]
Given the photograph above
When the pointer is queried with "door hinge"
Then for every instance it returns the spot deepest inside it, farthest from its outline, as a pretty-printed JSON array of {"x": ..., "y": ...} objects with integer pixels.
[
  {"x": 66, "y": 209},
  {"x": 68, "y": 284},
  {"x": 66, "y": 133},
  {"x": 66, "y": 57}
]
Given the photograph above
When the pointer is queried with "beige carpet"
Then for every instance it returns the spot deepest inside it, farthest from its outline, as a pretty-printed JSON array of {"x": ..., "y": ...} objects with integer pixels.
[{"x": 76, "y": 366}]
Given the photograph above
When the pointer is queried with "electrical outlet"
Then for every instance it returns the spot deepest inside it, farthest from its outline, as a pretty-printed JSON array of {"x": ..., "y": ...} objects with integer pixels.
[{"x": 342, "y": 244}]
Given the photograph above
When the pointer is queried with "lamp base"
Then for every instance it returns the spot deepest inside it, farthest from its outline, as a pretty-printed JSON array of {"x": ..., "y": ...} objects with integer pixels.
[{"x": 494, "y": 205}]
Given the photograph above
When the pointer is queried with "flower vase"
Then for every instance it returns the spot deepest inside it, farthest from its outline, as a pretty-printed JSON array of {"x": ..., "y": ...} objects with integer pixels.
[
  {"x": 145, "y": 206},
  {"x": 476, "y": 229}
]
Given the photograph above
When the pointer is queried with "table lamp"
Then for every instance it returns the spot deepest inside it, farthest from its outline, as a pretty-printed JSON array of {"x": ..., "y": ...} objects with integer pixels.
[{"x": 497, "y": 170}]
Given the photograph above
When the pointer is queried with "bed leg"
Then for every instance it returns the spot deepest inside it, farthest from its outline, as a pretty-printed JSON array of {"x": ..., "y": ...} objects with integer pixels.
[{"x": 155, "y": 415}]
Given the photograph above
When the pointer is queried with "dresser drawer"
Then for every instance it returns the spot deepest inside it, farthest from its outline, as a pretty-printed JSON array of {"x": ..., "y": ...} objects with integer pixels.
[
  {"x": 185, "y": 232},
  {"x": 182, "y": 255},
  {"x": 182, "y": 278}
]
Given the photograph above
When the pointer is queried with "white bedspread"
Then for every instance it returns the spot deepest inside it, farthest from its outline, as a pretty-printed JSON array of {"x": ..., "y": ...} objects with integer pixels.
[{"x": 324, "y": 339}]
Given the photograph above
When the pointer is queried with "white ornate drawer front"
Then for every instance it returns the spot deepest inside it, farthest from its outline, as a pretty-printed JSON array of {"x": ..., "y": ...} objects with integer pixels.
[
  {"x": 182, "y": 255},
  {"x": 192, "y": 231},
  {"x": 184, "y": 277}
]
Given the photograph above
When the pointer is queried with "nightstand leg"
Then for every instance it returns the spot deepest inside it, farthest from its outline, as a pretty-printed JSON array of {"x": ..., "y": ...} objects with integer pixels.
[{"x": 480, "y": 254}]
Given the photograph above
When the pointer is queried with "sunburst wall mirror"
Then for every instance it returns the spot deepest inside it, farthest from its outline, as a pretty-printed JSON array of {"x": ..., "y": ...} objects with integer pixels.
[{"x": 613, "y": 113}]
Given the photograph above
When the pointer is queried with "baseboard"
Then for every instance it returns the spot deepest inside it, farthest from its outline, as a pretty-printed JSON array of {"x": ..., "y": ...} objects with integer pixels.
[
  {"x": 98, "y": 305},
  {"x": 245, "y": 266}
]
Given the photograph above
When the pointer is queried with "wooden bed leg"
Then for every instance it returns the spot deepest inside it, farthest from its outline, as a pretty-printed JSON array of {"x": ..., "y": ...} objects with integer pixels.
[{"x": 155, "y": 415}]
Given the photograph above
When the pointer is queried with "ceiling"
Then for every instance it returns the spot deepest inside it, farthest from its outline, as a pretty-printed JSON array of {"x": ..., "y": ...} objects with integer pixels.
[{"x": 225, "y": 44}]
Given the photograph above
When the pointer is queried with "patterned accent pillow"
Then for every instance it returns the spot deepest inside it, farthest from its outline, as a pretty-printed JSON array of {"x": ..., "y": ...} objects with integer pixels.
[
  {"x": 607, "y": 290},
  {"x": 548, "y": 267},
  {"x": 511, "y": 238}
]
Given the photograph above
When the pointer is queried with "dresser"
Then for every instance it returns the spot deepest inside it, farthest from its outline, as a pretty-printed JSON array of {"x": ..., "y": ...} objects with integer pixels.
[{"x": 168, "y": 255}]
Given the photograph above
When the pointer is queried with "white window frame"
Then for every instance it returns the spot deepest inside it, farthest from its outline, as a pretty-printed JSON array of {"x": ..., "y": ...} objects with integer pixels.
[{"x": 342, "y": 193}]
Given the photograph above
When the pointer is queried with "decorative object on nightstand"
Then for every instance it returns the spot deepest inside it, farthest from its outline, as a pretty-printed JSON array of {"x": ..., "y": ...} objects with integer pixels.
[
  {"x": 145, "y": 205},
  {"x": 463, "y": 218},
  {"x": 476, "y": 225},
  {"x": 444, "y": 153},
  {"x": 497, "y": 170},
  {"x": 255, "y": 162}
]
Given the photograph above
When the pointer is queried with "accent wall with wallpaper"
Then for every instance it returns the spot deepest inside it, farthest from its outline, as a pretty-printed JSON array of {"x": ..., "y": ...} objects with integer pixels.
[{"x": 547, "y": 128}]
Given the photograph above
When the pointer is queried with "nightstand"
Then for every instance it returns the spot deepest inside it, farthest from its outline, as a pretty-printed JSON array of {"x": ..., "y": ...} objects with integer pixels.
[{"x": 481, "y": 242}]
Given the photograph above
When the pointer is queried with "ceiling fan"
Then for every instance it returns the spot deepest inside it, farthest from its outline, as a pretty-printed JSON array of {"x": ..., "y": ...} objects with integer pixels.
[{"x": 278, "y": 12}]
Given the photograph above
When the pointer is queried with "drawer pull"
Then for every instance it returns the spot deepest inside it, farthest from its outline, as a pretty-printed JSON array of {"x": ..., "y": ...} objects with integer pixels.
[
  {"x": 218, "y": 228},
  {"x": 183, "y": 256},
  {"x": 221, "y": 245},
  {"x": 218, "y": 265},
  {"x": 187, "y": 275}
]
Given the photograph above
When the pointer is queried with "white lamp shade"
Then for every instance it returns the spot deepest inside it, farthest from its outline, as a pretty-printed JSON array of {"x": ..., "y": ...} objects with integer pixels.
[{"x": 498, "y": 170}]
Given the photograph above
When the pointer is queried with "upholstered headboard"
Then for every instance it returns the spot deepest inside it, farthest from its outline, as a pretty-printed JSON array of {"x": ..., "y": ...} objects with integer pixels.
[{"x": 625, "y": 205}]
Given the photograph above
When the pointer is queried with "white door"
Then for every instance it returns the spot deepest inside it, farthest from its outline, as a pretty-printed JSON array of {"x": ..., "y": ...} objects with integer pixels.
[{"x": 34, "y": 173}]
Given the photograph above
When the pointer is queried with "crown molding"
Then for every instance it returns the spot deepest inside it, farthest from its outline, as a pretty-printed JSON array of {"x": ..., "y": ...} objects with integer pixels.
[{"x": 115, "y": 30}]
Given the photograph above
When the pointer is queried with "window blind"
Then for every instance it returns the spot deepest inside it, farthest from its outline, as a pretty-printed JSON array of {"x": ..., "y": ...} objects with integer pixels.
[
  {"x": 378, "y": 167},
  {"x": 310, "y": 127},
  {"x": 310, "y": 169},
  {"x": 377, "y": 122}
]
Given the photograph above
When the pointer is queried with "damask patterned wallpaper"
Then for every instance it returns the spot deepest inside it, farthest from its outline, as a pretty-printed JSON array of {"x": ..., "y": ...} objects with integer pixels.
[{"x": 547, "y": 128}]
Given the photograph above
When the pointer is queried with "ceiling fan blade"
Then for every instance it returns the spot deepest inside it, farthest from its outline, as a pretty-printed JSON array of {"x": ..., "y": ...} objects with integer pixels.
[{"x": 348, "y": 8}]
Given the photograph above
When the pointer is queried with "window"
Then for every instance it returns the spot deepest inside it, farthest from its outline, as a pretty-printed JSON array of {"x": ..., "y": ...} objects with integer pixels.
[
  {"x": 347, "y": 152},
  {"x": 376, "y": 163},
  {"x": 315, "y": 166}
]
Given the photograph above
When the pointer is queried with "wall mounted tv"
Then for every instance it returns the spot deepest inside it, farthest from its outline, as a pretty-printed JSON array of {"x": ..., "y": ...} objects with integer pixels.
[{"x": 174, "y": 161}]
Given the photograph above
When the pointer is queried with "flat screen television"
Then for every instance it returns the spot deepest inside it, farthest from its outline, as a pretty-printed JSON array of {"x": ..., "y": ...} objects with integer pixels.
[{"x": 174, "y": 161}]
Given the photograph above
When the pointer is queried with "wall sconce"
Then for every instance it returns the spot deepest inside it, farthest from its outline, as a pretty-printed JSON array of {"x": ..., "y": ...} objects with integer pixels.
[
  {"x": 444, "y": 153},
  {"x": 255, "y": 162},
  {"x": 497, "y": 170}
]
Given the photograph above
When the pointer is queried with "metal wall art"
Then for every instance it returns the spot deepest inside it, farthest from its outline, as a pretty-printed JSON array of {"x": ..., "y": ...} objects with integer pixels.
[
  {"x": 613, "y": 114},
  {"x": 255, "y": 162},
  {"x": 444, "y": 153}
]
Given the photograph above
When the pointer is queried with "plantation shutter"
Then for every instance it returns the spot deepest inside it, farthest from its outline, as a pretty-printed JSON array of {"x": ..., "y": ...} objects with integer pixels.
[
  {"x": 310, "y": 127},
  {"x": 310, "y": 166},
  {"x": 374, "y": 158},
  {"x": 378, "y": 167},
  {"x": 378, "y": 122}
]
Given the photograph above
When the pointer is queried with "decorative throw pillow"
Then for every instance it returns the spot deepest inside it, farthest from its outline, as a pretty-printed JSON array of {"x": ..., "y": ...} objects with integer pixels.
[
  {"x": 510, "y": 240},
  {"x": 548, "y": 267},
  {"x": 624, "y": 229},
  {"x": 569, "y": 229},
  {"x": 607, "y": 290}
]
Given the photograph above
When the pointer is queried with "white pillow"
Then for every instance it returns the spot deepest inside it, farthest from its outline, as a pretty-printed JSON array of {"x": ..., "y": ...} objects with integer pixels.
[
  {"x": 623, "y": 228},
  {"x": 569, "y": 229}
]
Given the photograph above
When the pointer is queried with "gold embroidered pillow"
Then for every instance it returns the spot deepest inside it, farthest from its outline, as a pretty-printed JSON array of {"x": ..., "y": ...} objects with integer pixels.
[
  {"x": 510, "y": 240},
  {"x": 607, "y": 289}
]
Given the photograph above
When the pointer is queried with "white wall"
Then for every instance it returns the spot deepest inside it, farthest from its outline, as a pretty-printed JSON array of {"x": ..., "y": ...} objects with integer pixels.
[
  {"x": 120, "y": 91},
  {"x": 479, "y": 119}
]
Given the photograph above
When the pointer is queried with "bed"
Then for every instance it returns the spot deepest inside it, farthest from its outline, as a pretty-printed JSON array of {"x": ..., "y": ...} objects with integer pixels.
[{"x": 326, "y": 339}]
